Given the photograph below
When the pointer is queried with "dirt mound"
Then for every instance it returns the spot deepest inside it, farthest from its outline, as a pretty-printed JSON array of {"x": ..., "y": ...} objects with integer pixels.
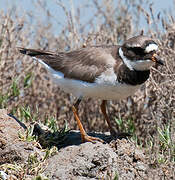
[{"x": 118, "y": 159}]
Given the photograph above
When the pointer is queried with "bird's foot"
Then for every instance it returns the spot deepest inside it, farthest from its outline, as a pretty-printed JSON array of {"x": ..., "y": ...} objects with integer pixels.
[{"x": 87, "y": 138}]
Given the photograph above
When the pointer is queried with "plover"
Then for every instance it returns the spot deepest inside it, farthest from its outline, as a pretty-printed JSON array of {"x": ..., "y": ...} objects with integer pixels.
[{"x": 106, "y": 72}]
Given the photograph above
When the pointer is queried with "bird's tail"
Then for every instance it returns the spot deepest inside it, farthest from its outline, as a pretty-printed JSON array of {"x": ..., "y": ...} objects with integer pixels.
[
  {"x": 33, "y": 52},
  {"x": 44, "y": 57}
]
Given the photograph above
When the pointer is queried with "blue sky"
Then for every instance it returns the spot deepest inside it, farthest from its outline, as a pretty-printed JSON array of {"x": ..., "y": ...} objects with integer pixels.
[{"x": 24, "y": 6}]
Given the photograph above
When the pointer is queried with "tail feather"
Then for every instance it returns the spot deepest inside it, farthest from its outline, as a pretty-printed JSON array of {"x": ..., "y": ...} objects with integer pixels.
[
  {"x": 44, "y": 57},
  {"x": 32, "y": 52}
]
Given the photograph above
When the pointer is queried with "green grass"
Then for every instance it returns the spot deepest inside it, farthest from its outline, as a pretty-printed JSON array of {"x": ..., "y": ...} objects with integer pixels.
[
  {"x": 167, "y": 146},
  {"x": 40, "y": 177},
  {"x": 27, "y": 135},
  {"x": 48, "y": 134},
  {"x": 10, "y": 93},
  {"x": 28, "y": 80},
  {"x": 27, "y": 115},
  {"x": 162, "y": 149},
  {"x": 3, "y": 100},
  {"x": 0, "y": 42},
  {"x": 116, "y": 176},
  {"x": 15, "y": 91},
  {"x": 126, "y": 125},
  {"x": 52, "y": 124}
]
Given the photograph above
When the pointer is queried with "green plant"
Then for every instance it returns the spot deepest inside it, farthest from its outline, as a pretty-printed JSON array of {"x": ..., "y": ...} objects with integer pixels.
[
  {"x": 52, "y": 124},
  {"x": 3, "y": 100},
  {"x": 167, "y": 146},
  {"x": 127, "y": 125},
  {"x": 116, "y": 176},
  {"x": 14, "y": 88},
  {"x": 28, "y": 80},
  {"x": 27, "y": 135},
  {"x": 26, "y": 114}
]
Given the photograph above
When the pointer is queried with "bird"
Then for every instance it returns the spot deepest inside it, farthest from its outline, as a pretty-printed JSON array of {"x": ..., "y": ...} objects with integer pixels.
[{"x": 106, "y": 72}]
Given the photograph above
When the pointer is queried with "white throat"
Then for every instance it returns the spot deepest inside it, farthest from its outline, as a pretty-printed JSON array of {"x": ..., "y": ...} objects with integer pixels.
[{"x": 139, "y": 65}]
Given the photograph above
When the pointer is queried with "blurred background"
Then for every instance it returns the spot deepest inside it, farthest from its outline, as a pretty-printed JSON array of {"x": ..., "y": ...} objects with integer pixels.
[
  {"x": 27, "y": 92},
  {"x": 39, "y": 10}
]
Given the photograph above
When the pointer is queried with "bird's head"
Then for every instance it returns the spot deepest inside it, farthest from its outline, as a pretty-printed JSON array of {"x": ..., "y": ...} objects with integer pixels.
[{"x": 140, "y": 53}]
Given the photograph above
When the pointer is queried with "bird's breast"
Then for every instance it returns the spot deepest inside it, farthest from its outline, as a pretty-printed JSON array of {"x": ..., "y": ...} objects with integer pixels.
[{"x": 111, "y": 92}]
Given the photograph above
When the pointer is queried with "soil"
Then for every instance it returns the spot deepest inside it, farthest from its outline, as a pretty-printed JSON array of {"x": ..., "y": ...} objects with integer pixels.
[{"x": 117, "y": 159}]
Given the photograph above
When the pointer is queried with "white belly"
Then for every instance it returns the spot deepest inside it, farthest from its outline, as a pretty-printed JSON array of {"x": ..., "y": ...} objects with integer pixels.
[{"x": 94, "y": 90}]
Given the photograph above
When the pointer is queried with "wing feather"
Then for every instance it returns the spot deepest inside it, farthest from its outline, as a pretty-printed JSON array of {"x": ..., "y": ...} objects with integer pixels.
[{"x": 84, "y": 64}]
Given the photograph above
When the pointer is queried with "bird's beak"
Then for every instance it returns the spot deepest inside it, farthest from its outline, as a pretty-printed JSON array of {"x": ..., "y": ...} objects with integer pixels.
[{"x": 155, "y": 58}]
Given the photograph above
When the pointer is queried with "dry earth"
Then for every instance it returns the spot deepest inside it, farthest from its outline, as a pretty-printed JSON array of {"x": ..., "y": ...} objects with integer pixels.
[{"x": 119, "y": 159}]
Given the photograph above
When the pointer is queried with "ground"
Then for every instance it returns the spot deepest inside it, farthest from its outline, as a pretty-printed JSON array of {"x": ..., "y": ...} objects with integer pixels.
[{"x": 21, "y": 158}]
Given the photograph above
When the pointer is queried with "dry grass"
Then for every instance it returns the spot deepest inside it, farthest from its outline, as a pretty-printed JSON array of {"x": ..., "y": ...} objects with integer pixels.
[{"x": 150, "y": 113}]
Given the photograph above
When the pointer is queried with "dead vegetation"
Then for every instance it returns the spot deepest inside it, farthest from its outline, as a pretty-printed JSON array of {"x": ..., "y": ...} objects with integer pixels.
[{"x": 149, "y": 115}]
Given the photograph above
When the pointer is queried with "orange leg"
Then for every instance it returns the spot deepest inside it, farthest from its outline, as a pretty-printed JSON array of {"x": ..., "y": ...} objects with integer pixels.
[
  {"x": 103, "y": 109},
  {"x": 84, "y": 136}
]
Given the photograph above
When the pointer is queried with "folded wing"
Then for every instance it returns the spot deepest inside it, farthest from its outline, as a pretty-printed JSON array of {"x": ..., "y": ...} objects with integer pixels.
[{"x": 84, "y": 64}]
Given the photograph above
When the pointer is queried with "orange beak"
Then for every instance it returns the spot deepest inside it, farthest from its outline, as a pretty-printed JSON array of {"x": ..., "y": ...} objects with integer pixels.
[{"x": 155, "y": 58}]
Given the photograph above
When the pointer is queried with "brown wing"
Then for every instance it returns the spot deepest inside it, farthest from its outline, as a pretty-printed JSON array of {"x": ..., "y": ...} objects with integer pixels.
[{"x": 84, "y": 64}]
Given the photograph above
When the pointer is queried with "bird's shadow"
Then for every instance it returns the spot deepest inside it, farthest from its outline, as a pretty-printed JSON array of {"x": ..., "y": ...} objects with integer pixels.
[
  {"x": 74, "y": 137},
  {"x": 62, "y": 139}
]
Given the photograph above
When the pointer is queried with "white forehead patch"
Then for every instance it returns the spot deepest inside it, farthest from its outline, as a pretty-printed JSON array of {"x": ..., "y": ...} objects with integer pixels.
[{"x": 151, "y": 47}]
